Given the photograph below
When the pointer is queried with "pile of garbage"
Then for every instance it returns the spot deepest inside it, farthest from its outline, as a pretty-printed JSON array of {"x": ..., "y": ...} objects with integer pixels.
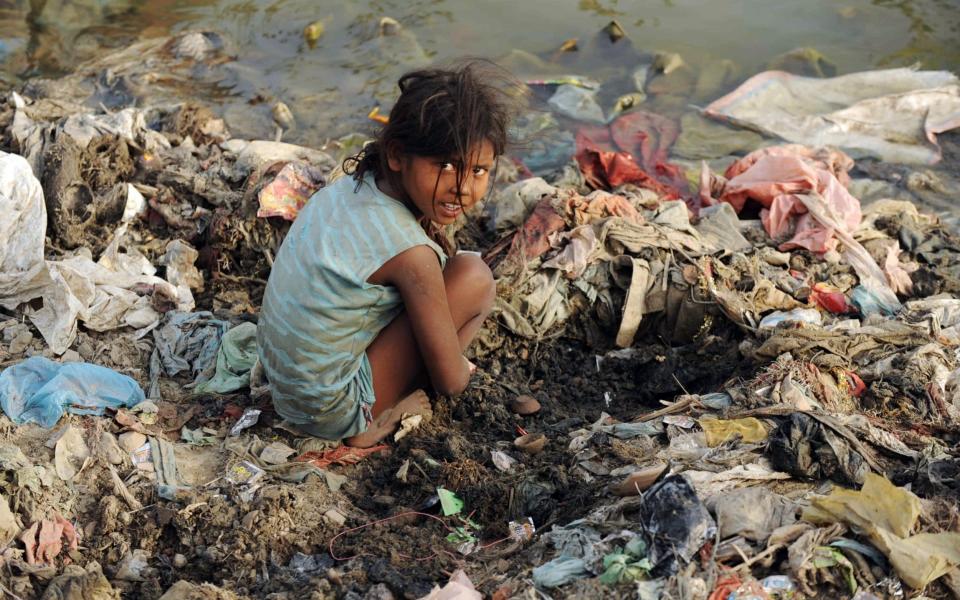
[{"x": 735, "y": 378}]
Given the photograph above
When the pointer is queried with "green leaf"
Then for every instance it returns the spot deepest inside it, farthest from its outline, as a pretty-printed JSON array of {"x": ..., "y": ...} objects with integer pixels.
[{"x": 449, "y": 502}]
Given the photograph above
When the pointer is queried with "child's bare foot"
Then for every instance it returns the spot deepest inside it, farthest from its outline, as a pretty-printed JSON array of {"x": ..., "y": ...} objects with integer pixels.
[{"x": 386, "y": 422}]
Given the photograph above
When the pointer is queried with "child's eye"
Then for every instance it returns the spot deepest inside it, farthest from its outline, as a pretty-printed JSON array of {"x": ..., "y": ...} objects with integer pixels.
[
  {"x": 447, "y": 166},
  {"x": 479, "y": 171}
]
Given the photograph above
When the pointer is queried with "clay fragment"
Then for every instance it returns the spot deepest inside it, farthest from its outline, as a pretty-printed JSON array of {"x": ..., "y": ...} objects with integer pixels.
[
  {"x": 525, "y": 405},
  {"x": 638, "y": 481},
  {"x": 531, "y": 443}
]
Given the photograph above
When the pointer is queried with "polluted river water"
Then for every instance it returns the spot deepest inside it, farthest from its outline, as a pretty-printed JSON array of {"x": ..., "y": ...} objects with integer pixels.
[{"x": 331, "y": 84}]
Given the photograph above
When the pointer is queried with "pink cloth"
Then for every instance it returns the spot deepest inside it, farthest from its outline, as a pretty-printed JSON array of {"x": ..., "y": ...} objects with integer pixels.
[{"x": 775, "y": 178}]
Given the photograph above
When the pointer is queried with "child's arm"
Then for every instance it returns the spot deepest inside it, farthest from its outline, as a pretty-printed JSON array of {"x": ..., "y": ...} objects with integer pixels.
[{"x": 417, "y": 275}]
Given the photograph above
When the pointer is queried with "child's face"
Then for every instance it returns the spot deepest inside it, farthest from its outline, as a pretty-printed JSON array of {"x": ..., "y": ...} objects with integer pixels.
[{"x": 422, "y": 175}]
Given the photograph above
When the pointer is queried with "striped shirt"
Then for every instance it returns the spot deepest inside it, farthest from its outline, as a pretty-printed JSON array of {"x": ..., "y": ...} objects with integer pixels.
[{"x": 319, "y": 313}]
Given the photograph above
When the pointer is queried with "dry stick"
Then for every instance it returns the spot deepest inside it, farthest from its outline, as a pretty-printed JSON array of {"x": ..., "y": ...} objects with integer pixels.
[
  {"x": 674, "y": 375},
  {"x": 673, "y": 408}
]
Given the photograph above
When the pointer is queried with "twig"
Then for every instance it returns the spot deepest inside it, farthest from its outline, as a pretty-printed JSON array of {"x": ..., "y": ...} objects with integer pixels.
[
  {"x": 680, "y": 384},
  {"x": 676, "y": 407}
]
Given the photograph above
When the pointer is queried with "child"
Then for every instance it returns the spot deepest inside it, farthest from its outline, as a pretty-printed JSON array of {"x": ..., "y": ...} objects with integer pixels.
[{"x": 363, "y": 301}]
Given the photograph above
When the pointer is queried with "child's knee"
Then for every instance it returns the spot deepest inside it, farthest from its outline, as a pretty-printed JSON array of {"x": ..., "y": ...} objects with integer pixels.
[{"x": 470, "y": 272}]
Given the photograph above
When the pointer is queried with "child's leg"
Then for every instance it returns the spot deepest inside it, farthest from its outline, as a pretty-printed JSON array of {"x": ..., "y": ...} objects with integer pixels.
[{"x": 395, "y": 358}]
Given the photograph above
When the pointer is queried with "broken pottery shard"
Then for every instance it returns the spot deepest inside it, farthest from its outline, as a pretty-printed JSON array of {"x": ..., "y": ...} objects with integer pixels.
[
  {"x": 525, "y": 405},
  {"x": 638, "y": 481},
  {"x": 531, "y": 443}
]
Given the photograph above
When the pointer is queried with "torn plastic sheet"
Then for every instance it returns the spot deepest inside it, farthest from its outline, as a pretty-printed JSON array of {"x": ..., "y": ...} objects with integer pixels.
[
  {"x": 778, "y": 178},
  {"x": 892, "y": 114},
  {"x": 808, "y": 449},
  {"x": 510, "y": 207},
  {"x": 560, "y": 571},
  {"x": 753, "y": 512},
  {"x": 626, "y": 431},
  {"x": 101, "y": 294},
  {"x": 675, "y": 522},
  {"x": 23, "y": 271},
  {"x": 290, "y": 190},
  {"x": 129, "y": 124}
]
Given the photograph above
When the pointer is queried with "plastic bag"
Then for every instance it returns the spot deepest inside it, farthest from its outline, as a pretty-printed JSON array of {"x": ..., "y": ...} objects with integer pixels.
[
  {"x": 577, "y": 103},
  {"x": 869, "y": 302},
  {"x": 23, "y": 272},
  {"x": 38, "y": 390},
  {"x": 675, "y": 522},
  {"x": 289, "y": 191},
  {"x": 800, "y": 316},
  {"x": 559, "y": 571}
]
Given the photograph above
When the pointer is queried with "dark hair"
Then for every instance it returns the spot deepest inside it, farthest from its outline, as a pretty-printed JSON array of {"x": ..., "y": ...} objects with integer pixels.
[{"x": 443, "y": 112}]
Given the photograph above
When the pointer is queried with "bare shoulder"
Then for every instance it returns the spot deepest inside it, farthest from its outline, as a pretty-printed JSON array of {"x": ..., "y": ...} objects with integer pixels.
[{"x": 416, "y": 264}]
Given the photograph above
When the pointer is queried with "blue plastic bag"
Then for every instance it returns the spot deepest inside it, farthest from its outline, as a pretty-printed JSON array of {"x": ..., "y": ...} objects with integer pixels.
[
  {"x": 38, "y": 390},
  {"x": 868, "y": 302}
]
